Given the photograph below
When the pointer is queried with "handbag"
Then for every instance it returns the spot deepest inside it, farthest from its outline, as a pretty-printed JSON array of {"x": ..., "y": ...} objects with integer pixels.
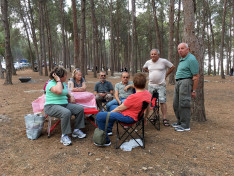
[{"x": 99, "y": 136}]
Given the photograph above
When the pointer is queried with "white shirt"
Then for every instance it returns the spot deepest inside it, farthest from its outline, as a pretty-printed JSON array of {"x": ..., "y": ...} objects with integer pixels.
[{"x": 157, "y": 70}]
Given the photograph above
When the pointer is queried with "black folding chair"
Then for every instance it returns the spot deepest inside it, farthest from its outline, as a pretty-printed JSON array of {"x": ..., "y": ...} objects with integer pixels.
[
  {"x": 134, "y": 130},
  {"x": 154, "y": 118}
]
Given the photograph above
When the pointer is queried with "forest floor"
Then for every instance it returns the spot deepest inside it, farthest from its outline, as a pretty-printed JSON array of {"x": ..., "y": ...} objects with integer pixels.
[{"x": 205, "y": 150}]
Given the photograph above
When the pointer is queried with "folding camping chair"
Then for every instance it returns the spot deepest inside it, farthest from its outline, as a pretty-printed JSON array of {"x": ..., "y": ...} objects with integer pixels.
[
  {"x": 134, "y": 130},
  {"x": 154, "y": 118},
  {"x": 86, "y": 111}
]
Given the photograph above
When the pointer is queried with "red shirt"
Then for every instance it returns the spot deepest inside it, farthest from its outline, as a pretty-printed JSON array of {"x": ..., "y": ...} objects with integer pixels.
[{"x": 134, "y": 103}]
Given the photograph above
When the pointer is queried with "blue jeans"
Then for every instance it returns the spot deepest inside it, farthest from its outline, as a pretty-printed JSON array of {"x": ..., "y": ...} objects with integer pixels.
[
  {"x": 101, "y": 121},
  {"x": 113, "y": 102}
]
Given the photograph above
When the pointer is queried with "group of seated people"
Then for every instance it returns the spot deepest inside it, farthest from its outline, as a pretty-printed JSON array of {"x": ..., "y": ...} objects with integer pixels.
[{"x": 129, "y": 96}]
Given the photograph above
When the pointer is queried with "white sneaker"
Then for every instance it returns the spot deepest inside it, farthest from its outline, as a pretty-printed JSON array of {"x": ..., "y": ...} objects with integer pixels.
[
  {"x": 180, "y": 128},
  {"x": 65, "y": 140},
  {"x": 78, "y": 134},
  {"x": 175, "y": 125}
]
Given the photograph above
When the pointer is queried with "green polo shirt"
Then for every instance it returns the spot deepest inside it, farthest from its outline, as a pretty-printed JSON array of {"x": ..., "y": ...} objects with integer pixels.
[
  {"x": 187, "y": 67},
  {"x": 52, "y": 98}
]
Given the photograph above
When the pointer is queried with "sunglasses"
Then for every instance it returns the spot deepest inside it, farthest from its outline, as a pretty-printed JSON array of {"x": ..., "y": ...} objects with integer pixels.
[
  {"x": 125, "y": 77},
  {"x": 103, "y": 75}
]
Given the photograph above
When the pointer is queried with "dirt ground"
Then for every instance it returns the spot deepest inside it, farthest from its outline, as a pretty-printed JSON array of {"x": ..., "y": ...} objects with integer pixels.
[{"x": 206, "y": 150}]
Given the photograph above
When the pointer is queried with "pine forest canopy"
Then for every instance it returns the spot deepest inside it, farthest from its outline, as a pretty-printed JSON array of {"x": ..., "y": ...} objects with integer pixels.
[{"x": 114, "y": 34}]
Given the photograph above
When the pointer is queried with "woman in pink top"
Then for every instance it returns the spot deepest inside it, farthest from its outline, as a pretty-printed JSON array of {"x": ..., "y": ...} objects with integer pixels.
[{"x": 128, "y": 111}]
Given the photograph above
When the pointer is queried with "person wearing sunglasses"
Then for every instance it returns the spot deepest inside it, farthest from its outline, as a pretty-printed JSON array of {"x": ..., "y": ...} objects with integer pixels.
[
  {"x": 103, "y": 90},
  {"x": 122, "y": 90},
  {"x": 159, "y": 69}
]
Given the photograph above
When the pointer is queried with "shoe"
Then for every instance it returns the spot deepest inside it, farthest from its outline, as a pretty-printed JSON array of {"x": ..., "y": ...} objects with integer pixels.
[
  {"x": 78, "y": 134},
  {"x": 180, "y": 128},
  {"x": 65, "y": 140},
  {"x": 166, "y": 122},
  {"x": 175, "y": 125},
  {"x": 108, "y": 143},
  {"x": 110, "y": 133}
]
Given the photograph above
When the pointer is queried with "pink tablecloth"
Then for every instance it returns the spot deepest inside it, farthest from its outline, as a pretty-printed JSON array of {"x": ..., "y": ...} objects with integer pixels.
[{"x": 85, "y": 99}]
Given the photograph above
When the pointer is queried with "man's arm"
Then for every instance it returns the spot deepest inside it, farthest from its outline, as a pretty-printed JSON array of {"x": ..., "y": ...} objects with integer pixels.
[
  {"x": 145, "y": 69},
  {"x": 111, "y": 92},
  {"x": 128, "y": 86},
  {"x": 195, "y": 83},
  {"x": 169, "y": 71},
  {"x": 117, "y": 96}
]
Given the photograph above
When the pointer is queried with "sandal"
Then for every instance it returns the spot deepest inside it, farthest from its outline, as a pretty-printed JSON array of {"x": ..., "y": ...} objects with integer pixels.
[{"x": 166, "y": 122}]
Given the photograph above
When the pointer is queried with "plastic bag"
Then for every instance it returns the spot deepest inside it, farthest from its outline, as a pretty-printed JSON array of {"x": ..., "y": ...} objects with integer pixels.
[
  {"x": 34, "y": 125},
  {"x": 38, "y": 104},
  {"x": 128, "y": 146}
]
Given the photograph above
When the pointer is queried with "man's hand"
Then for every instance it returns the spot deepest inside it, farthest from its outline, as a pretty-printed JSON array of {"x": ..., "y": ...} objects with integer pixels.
[
  {"x": 145, "y": 69},
  {"x": 119, "y": 102},
  {"x": 102, "y": 94},
  {"x": 193, "y": 94}
]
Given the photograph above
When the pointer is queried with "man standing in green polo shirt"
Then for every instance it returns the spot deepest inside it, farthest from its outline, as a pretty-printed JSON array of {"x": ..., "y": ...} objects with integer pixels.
[{"x": 187, "y": 77}]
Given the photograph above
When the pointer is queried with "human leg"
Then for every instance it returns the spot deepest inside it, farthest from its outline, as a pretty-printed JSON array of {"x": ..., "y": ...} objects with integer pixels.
[
  {"x": 176, "y": 104},
  {"x": 122, "y": 99},
  {"x": 184, "y": 102},
  {"x": 59, "y": 111},
  {"x": 101, "y": 120},
  {"x": 99, "y": 101},
  {"x": 113, "y": 107},
  {"x": 110, "y": 103},
  {"x": 78, "y": 111},
  {"x": 162, "y": 100}
]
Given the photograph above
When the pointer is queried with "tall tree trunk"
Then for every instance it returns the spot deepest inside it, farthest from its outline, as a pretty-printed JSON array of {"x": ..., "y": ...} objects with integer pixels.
[
  {"x": 68, "y": 52},
  {"x": 232, "y": 28},
  {"x": 63, "y": 32},
  {"x": 8, "y": 54},
  {"x": 21, "y": 12},
  {"x": 229, "y": 66},
  {"x": 177, "y": 37},
  {"x": 118, "y": 38},
  {"x": 222, "y": 39},
  {"x": 134, "y": 48},
  {"x": 75, "y": 31},
  {"x": 129, "y": 42},
  {"x": 171, "y": 39},
  {"x": 49, "y": 40},
  {"x": 1, "y": 70},
  {"x": 209, "y": 50},
  {"x": 196, "y": 48},
  {"x": 158, "y": 37},
  {"x": 32, "y": 24},
  {"x": 95, "y": 40},
  {"x": 213, "y": 40},
  {"x": 111, "y": 40},
  {"x": 42, "y": 34},
  {"x": 43, "y": 38},
  {"x": 82, "y": 37}
]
